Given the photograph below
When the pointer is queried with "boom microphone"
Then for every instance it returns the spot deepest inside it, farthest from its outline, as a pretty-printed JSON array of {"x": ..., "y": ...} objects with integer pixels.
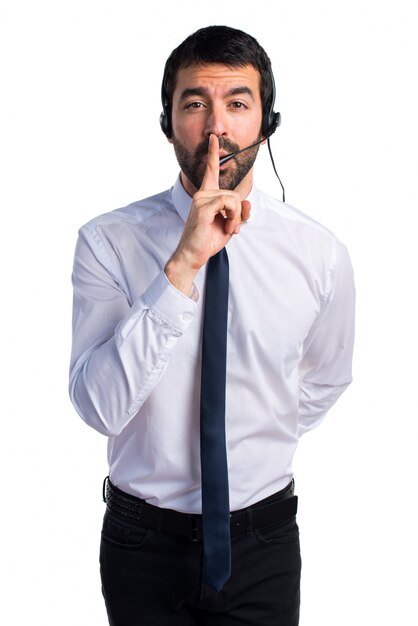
[{"x": 228, "y": 157}]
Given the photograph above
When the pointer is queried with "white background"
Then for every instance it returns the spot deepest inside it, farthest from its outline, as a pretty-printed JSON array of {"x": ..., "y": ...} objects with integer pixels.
[{"x": 80, "y": 104}]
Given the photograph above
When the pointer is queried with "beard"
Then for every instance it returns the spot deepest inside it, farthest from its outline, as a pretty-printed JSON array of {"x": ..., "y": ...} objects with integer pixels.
[{"x": 193, "y": 164}]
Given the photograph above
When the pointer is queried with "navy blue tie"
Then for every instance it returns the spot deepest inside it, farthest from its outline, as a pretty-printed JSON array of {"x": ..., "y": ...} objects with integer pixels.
[{"x": 215, "y": 493}]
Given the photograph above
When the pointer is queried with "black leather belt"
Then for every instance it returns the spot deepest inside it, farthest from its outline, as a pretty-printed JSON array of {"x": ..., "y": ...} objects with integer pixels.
[{"x": 271, "y": 510}]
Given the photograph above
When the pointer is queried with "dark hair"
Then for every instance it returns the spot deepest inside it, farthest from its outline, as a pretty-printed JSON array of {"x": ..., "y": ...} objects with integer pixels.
[{"x": 218, "y": 44}]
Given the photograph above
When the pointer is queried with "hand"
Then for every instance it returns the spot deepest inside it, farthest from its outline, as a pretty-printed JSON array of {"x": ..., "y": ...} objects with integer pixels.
[{"x": 215, "y": 215}]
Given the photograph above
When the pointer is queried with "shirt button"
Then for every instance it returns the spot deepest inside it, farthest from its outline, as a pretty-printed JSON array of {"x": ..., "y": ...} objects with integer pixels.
[{"x": 187, "y": 316}]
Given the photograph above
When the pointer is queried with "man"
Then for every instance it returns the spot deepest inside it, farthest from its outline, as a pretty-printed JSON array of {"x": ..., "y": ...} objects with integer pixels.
[{"x": 139, "y": 296}]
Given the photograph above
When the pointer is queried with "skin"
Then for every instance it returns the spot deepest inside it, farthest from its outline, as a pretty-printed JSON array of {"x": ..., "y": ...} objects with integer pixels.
[{"x": 220, "y": 106}]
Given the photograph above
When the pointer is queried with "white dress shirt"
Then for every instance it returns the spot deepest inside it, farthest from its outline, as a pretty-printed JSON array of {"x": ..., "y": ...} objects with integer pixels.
[{"x": 135, "y": 365}]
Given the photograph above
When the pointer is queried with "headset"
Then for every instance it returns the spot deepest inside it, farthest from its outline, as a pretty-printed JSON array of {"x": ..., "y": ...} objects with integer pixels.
[{"x": 270, "y": 122}]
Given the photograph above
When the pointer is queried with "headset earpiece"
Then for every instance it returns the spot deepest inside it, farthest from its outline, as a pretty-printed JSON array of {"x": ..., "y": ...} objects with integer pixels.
[
  {"x": 273, "y": 122},
  {"x": 165, "y": 123},
  {"x": 165, "y": 117},
  {"x": 271, "y": 119}
]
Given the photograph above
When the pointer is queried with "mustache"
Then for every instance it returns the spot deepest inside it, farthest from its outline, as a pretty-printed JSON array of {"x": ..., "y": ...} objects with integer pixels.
[{"x": 224, "y": 144}]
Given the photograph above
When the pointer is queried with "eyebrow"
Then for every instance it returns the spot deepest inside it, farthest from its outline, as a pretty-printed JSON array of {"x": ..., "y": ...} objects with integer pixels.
[{"x": 201, "y": 91}]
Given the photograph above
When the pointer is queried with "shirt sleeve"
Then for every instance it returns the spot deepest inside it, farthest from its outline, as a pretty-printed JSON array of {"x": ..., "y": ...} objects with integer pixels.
[
  {"x": 119, "y": 351},
  {"x": 325, "y": 370}
]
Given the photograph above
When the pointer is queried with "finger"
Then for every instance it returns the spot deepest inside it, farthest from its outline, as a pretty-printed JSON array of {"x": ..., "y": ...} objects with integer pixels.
[
  {"x": 245, "y": 210},
  {"x": 211, "y": 177},
  {"x": 232, "y": 219},
  {"x": 245, "y": 215},
  {"x": 225, "y": 205}
]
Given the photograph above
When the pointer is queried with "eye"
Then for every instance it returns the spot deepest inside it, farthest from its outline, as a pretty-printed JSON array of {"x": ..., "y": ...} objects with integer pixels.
[
  {"x": 194, "y": 105},
  {"x": 238, "y": 105}
]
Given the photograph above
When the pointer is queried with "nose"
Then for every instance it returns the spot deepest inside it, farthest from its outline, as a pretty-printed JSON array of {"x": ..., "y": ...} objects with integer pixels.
[{"x": 216, "y": 122}]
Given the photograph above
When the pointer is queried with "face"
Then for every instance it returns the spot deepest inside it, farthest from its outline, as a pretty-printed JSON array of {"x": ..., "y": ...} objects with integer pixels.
[{"x": 216, "y": 99}]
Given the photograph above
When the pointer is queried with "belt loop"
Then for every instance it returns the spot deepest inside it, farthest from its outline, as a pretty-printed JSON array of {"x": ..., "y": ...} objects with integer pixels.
[
  {"x": 249, "y": 520},
  {"x": 106, "y": 480}
]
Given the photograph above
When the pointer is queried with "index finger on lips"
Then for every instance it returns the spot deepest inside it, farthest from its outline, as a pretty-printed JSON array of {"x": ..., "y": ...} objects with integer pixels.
[{"x": 210, "y": 180}]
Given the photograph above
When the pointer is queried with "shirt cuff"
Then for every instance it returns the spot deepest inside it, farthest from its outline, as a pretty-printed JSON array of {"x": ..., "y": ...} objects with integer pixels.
[{"x": 169, "y": 304}]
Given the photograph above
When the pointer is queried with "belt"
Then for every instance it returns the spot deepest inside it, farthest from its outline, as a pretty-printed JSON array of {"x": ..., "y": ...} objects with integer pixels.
[{"x": 272, "y": 510}]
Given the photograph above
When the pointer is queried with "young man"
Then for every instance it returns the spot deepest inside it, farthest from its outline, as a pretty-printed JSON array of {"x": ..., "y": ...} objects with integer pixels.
[{"x": 139, "y": 296}]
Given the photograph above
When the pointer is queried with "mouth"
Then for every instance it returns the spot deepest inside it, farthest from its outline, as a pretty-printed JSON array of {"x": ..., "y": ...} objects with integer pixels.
[{"x": 225, "y": 157}]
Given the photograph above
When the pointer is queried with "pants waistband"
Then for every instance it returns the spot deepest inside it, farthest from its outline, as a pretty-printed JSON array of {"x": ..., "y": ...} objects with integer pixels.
[{"x": 272, "y": 510}]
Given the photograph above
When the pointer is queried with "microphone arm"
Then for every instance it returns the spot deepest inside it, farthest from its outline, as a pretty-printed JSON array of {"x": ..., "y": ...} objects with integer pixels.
[{"x": 228, "y": 157}]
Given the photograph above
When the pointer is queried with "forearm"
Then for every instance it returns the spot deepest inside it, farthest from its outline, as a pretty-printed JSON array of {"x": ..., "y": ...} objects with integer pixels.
[
  {"x": 181, "y": 274},
  {"x": 109, "y": 382},
  {"x": 315, "y": 402},
  {"x": 325, "y": 370}
]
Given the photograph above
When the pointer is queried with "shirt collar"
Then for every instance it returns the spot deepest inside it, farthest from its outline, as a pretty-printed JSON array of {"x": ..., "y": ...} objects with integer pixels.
[{"x": 182, "y": 201}]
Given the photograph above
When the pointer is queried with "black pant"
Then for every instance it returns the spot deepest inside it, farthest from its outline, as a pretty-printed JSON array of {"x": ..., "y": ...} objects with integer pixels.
[{"x": 154, "y": 579}]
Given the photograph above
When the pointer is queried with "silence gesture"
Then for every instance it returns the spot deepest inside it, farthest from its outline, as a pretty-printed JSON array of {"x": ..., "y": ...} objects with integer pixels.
[{"x": 215, "y": 215}]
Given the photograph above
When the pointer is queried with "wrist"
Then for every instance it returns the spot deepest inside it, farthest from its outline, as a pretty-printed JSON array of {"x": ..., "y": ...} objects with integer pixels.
[{"x": 181, "y": 275}]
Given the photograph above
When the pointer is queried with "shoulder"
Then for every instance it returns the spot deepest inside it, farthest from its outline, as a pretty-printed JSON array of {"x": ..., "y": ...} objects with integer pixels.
[
  {"x": 137, "y": 213},
  {"x": 312, "y": 243},
  {"x": 298, "y": 226},
  {"x": 292, "y": 216},
  {"x": 112, "y": 234}
]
